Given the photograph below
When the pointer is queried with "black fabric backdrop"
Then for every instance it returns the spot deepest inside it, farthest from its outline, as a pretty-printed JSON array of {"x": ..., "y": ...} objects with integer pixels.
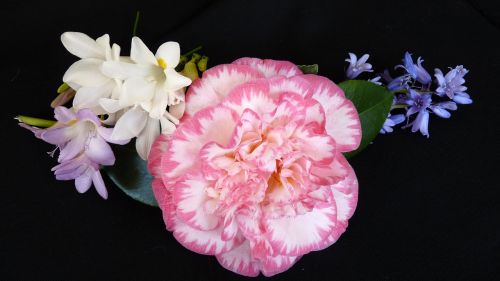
[{"x": 428, "y": 208}]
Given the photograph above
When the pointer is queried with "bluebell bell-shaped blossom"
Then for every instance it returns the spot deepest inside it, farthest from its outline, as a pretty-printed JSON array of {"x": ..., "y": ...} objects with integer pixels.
[
  {"x": 376, "y": 80},
  {"x": 391, "y": 121},
  {"x": 395, "y": 84},
  {"x": 416, "y": 71},
  {"x": 356, "y": 67},
  {"x": 451, "y": 84},
  {"x": 418, "y": 103},
  {"x": 441, "y": 109}
]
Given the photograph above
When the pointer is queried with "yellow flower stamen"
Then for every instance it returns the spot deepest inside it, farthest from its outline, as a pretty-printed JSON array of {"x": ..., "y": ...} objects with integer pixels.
[{"x": 162, "y": 63}]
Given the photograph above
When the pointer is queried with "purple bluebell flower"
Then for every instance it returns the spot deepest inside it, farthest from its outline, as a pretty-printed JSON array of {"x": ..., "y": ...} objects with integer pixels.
[
  {"x": 376, "y": 80},
  {"x": 83, "y": 145},
  {"x": 418, "y": 104},
  {"x": 356, "y": 67},
  {"x": 441, "y": 109},
  {"x": 391, "y": 121},
  {"x": 395, "y": 84},
  {"x": 416, "y": 71},
  {"x": 451, "y": 84}
]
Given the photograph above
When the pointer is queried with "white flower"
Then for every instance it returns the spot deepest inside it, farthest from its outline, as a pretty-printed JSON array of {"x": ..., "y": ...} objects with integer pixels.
[
  {"x": 85, "y": 75},
  {"x": 150, "y": 85}
]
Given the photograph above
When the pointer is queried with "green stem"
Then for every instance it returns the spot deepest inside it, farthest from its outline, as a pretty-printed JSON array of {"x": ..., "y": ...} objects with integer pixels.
[
  {"x": 136, "y": 23},
  {"x": 193, "y": 51},
  {"x": 398, "y": 106},
  {"x": 37, "y": 122}
]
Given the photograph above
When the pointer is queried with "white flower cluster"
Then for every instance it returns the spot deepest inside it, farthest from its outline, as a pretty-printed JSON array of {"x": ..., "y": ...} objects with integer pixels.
[{"x": 134, "y": 92}]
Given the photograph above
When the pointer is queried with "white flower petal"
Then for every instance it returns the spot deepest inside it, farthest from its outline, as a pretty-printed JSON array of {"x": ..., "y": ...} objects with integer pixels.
[
  {"x": 170, "y": 52},
  {"x": 140, "y": 53},
  {"x": 130, "y": 124},
  {"x": 81, "y": 45},
  {"x": 175, "y": 81},
  {"x": 86, "y": 72},
  {"x": 137, "y": 90},
  {"x": 167, "y": 127},
  {"x": 123, "y": 70},
  {"x": 147, "y": 137},
  {"x": 88, "y": 97},
  {"x": 110, "y": 105},
  {"x": 159, "y": 103}
]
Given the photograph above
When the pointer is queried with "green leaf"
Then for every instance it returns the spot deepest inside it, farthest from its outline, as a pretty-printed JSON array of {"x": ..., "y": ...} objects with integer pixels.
[
  {"x": 309, "y": 69},
  {"x": 130, "y": 174},
  {"x": 373, "y": 103}
]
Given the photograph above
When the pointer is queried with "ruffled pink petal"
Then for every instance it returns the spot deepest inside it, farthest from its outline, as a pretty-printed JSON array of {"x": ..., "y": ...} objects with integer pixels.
[
  {"x": 165, "y": 201},
  {"x": 190, "y": 198},
  {"x": 252, "y": 95},
  {"x": 271, "y": 68},
  {"x": 300, "y": 234},
  {"x": 277, "y": 264},
  {"x": 346, "y": 195},
  {"x": 239, "y": 260},
  {"x": 331, "y": 173},
  {"x": 346, "y": 198},
  {"x": 296, "y": 84},
  {"x": 208, "y": 125},
  {"x": 215, "y": 84},
  {"x": 154, "y": 160},
  {"x": 204, "y": 242},
  {"x": 342, "y": 119}
]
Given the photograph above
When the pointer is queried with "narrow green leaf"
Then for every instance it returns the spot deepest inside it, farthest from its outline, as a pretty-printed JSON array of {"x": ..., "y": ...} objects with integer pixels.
[
  {"x": 373, "y": 103},
  {"x": 130, "y": 174},
  {"x": 309, "y": 69}
]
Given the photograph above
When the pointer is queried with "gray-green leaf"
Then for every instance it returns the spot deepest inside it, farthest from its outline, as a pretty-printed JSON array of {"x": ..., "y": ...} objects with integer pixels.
[
  {"x": 373, "y": 103},
  {"x": 131, "y": 175}
]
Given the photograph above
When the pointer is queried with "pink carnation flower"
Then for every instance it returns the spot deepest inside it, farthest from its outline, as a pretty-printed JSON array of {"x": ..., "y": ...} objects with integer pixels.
[{"x": 255, "y": 174}]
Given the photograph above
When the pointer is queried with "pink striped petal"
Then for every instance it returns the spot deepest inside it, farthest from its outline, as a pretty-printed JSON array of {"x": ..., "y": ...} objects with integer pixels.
[
  {"x": 165, "y": 201},
  {"x": 332, "y": 173},
  {"x": 271, "y": 68},
  {"x": 154, "y": 161},
  {"x": 215, "y": 84},
  {"x": 298, "y": 235},
  {"x": 252, "y": 95},
  {"x": 202, "y": 241},
  {"x": 277, "y": 264},
  {"x": 239, "y": 260},
  {"x": 209, "y": 125},
  {"x": 346, "y": 195},
  {"x": 190, "y": 197},
  {"x": 296, "y": 84},
  {"x": 342, "y": 120}
]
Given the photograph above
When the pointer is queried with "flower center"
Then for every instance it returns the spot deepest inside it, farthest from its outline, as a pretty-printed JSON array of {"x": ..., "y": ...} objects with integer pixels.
[{"x": 162, "y": 63}]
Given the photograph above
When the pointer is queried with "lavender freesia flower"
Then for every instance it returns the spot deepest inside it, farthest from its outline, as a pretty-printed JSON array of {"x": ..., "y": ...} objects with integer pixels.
[
  {"x": 83, "y": 145},
  {"x": 451, "y": 84},
  {"x": 356, "y": 67},
  {"x": 416, "y": 71}
]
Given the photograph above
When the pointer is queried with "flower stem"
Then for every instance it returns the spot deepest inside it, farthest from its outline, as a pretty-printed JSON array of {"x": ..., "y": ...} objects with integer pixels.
[
  {"x": 193, "y": 51},
  {"x": 136, "y": 23},
  {"x": 37, "y": 122},
  {"x": 399, "y": 106}
]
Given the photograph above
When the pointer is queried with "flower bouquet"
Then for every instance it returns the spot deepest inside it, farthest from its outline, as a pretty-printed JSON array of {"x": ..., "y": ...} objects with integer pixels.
[{"x": 247, "y": 160}]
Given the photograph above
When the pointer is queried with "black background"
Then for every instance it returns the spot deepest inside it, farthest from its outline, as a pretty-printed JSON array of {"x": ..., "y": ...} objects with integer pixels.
[{"x": 428, "y": 208}]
